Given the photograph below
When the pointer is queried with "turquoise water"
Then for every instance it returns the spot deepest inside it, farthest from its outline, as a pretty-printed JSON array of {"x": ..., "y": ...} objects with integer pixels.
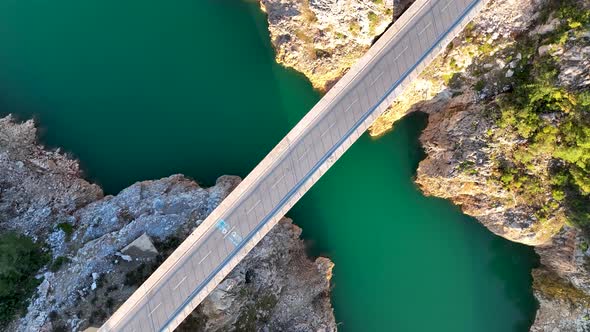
[
  {"x": 142, "y": 89},
  {"x": 405, "y": 262}
]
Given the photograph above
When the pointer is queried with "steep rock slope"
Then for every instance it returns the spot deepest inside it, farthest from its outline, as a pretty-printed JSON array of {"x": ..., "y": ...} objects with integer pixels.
[
  {"x": 37, "y": 187},
  {"x": 323, "y": 38},
  {"x": 511, "y": 148}
]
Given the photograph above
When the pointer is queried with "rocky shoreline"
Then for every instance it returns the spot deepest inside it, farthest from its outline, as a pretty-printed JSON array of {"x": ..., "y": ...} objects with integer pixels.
[{"x": 103, "y": 247}]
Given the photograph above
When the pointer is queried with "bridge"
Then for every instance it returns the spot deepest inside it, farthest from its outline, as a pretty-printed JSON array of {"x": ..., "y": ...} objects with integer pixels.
[{"x": 201, "y": 262}]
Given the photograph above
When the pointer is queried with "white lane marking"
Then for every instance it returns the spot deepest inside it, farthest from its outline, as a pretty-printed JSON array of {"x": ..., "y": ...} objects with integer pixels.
[
  {"x": 277, "y": 181},
  {"x": 401, "y": 53},
  {"x": 424, "y": 29},
  {"x": 180, "y": 282},
  {"x": 447, "y": 6},
  {"x": 253, "y": 207},
  {"x": 303, "y": 155},
  {"x": 151, "y": 312},
  {"x": 327, "y": 130},
  {"x": 350, "y": 106},
  {"x": 202, "y": 259},
  {"x": 376, "y": 78},
  {"x": 229, "y": 232}
]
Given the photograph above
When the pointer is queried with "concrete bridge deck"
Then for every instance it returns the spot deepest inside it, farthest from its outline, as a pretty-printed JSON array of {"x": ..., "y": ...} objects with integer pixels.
[{"x": 293, "y": 166}]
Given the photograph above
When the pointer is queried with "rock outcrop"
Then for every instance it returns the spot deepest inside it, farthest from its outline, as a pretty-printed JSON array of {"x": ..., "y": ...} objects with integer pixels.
[
  {"x": 504, "y": 169},
  {"x": 323, "y": 38},
  {"x": 37, "y": 187},
  {"x": 276, "y": 287},
  {"x": 491, "y": 30},
  {"x": 562, "y": 283}
]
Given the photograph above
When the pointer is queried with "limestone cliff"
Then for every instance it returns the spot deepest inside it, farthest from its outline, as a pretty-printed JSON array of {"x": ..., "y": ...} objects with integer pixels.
[
  {"x": 43, "y": 196},
  {"x": 323, "y": 38},
  {"x": 501, "y": 145}
]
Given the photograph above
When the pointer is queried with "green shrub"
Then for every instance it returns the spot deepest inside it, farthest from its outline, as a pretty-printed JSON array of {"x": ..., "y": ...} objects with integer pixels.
[
  {"x": 58, "y": 263},
  {"x": 67, "y": 228},
  {"x": 373, "y": 20},
  {"x": 479, "y": 85},
  {"x": 558, "y": 195},
  {"x": 584, "y": 101},
  {"x": 20, "y": 259},
  {"x": 507, "y": 178},
  {"x": 354, "y": 28},
  {"x": 555, "y": 123}
]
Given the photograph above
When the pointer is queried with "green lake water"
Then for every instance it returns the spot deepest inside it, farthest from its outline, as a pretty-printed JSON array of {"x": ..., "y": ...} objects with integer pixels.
[{"x": 143, "y": 89}]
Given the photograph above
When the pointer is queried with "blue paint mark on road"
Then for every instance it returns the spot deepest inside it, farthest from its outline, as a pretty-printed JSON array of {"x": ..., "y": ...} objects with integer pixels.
[
  {"x": 222, "y": 226},
  {"x": 235, "y": 238}
]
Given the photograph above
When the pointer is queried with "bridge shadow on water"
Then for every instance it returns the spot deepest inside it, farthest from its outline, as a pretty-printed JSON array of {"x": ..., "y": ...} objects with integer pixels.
[{"x": 405, "y": 262}]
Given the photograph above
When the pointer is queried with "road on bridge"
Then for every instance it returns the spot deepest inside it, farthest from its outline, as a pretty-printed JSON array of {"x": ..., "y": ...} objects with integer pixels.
[{"x": 202, "y": 261}]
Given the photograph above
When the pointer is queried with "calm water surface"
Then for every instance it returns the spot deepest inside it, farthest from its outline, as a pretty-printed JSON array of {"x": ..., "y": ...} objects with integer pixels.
[{"x": 143, "y": 89}]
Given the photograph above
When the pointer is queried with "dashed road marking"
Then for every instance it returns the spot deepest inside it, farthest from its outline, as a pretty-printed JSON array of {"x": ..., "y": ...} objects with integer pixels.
[
  {"x": 303, "y": 155},
  {"x": 400, "y": 53},
  {"x": 327, "y": 130},
  {"x": 424, "y": 29},
  {"x": 376, "y": 78},
  {"x": 151, "y": 312},
  {"x": 350, "y": 106},
  {"x": 277, "y": 181},
  {"x": 253, "y": 207},
  {"x": 445, "y": 7},
  {"x": 180, "y": 282},
  {"x": 202, "y": 259}
]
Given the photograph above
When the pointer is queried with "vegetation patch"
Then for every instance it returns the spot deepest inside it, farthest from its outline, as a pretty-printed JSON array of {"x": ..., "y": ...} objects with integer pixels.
[
  {"x": 553, "y": 287},
  {"x": 468, "y": 167},
  {"x": 573, "y": 19},
  {"x": 67, "y": 228},
  {"x": 354, "y": 28},
  {"x": 259, "y": 311},
  {"x": 554, "y": 124},
  {"x": 58, "y": 263},
  {"x": 307, "y": 13},
  {"x": 20, "y": 260},
  {"x": 373, "y": 20}
]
